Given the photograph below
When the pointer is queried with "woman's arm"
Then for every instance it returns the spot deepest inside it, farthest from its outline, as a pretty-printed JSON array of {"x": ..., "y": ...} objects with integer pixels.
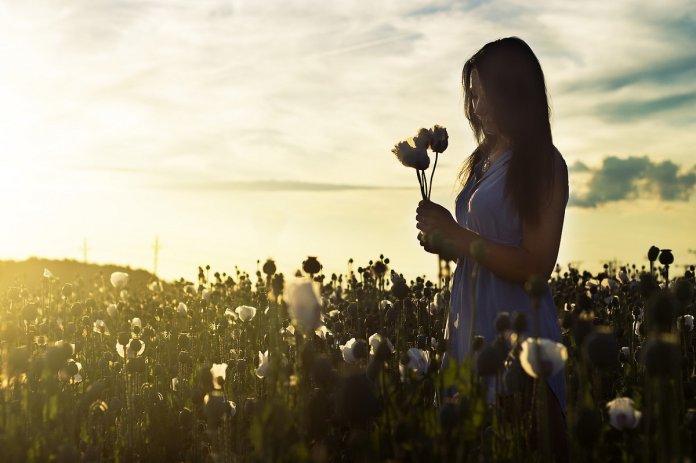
[{"x": 535, "y": 256}]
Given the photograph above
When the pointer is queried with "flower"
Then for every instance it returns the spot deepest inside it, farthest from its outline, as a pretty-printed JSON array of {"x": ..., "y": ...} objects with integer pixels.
[
  {"x": 133, "y": 349},
  {"x": 111, "y": 310},
  {"x": 418, "y": 362},
  {"x": 181, "y": 309},
  {"x": 423, "y": 139},
  {"x": 262, "y": 370},
  {"x": 245, "y": 312},
  {"x": 410, "y": 156},
  {"x": 322, "y": 331},
  {"x": 230, "y": 314},
  {"x": 304, "y": 302},
  {"x": 439, "y": 138},
  {"x": 542, "y": 357},
  {"x": 119, "y": 280},
  {"x": 375, "y": 340},
  {"x": 219, "y": 373},
  {"x": 71, "y": 372},
  {"x": 155, "y": 286},
  {"x": 685, "y": 323},
  {"x": 100, "y": 327},
  {"x": 622, "y": 415},
  {"x": 347, "y": 351},
  {"x": 136, "y": 322}
]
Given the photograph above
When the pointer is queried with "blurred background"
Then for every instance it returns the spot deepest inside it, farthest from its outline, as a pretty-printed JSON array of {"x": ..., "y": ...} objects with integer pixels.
[{"x": 222, "y": 132}]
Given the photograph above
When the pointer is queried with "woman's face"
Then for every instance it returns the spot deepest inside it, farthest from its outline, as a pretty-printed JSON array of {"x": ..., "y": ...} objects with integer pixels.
[{"x": 482, "y": 108}]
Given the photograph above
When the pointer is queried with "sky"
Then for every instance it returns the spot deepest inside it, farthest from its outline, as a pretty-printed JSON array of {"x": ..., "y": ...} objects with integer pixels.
[{"x": 241, "y": 130}]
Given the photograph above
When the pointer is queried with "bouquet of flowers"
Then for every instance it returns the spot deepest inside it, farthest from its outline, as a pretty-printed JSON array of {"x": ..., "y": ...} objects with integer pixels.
[{"x": 413, "y": 152}]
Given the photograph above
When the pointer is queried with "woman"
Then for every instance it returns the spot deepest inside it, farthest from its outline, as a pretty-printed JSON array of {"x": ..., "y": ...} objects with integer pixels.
[{"x": 515, "y": 190}]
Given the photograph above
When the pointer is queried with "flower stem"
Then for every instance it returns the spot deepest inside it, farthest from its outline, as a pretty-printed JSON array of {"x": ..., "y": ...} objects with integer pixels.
[
  {"x": 420, "y": 182},
  {"x": 431, "y": 175}
]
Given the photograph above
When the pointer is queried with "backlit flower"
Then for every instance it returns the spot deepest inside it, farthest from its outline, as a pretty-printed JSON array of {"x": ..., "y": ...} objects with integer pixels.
[
  {"x": 304, "y": 302},
  {"x": 376, "y": 339},
  {"x": 418, "y": 362},
  {"x": 262, "y": 370},
  {"x": 100, "y": 327},
  {"x": 622, "y": 415},
  {"x": 411, "y": 156},
  {"x": 245, "y": 312},
  {"x": 119, "y": 280},
  {"x": 542, "y": 358},
  {"x": 219, "y": 373}
]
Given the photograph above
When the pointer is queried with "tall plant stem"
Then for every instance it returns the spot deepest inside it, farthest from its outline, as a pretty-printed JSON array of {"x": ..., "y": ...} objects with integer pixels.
[{"x": 431, "y": 175}]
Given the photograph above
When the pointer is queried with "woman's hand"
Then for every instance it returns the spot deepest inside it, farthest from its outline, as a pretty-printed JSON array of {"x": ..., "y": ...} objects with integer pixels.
[{"x": 433, "y": 218}]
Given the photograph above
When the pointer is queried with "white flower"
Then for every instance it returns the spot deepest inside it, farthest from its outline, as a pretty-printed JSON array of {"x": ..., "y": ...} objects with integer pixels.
[
  {"x": 111, "y": 310},
  {"x": 119, "y": 280},
  {"x": 47, "y": 274},
  {"x": 637, "y": 328},
  {"x": 230, "y": 314},
  {"x": 64, "y": 373},
  {"x": 375, "y": 340},
  {"x": 137, "y": 322},
  {"x": 411, "y": 156},
  {"x": 155, "y": 286},
  {"x": 262, "y": 370},
  {"x": 322, "y": 331},
  {"x": 218, "y": 370},
  {"x": 62, "y": 343},
  {"x": 100, "y": 327},
  {"x": 175, "y": 384},
  {"x": 418, "y": 362},
  {"x": 622, "y": 415},
  {"x": 686, "y": 322},
  {"x": 133, "y": 349},
  {"x": 542, "y": 357},
  {"x": 304, "y": 302},
  {"x": 181, "y": 309},
  {"x": 334, "y": 313},
  {"x": 245, "y": 312},
  {"x": 347, "y": 351}
]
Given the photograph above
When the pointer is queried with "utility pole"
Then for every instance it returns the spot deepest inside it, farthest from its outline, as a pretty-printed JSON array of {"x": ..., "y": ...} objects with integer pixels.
[
  {"x": 84, "y": 250},
  {"x": 156, "y": 254}
]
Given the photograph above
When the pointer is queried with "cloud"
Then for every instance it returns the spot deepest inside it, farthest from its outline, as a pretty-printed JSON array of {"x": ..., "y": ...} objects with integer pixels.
[
  {"x": 626, "y": 111},
  {"x": 578, "y": 167},
  {"x": 276, "y": 185},
  {"x": 620, "y": 179}
]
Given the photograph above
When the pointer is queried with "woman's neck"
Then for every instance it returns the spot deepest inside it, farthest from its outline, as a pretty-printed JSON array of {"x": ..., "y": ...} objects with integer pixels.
[{"x": 501, "y": 145}]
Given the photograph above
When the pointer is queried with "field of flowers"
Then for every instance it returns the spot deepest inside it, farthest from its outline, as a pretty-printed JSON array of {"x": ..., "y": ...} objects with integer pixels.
[{"x": 311, "y": 367}]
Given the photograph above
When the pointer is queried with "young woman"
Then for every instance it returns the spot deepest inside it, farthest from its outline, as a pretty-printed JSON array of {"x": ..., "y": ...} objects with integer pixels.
[{"x": 513, "y": 199}]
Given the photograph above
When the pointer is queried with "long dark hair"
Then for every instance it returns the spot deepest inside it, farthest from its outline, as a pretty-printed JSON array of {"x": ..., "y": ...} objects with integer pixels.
[{"x": 513, "y": 81}]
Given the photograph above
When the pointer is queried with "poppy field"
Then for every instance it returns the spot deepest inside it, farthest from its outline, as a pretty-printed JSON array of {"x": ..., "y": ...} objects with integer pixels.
[{"x": 307, "y": 367}]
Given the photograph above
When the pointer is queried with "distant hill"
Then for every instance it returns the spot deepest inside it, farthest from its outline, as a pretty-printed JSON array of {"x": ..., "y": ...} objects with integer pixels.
[{"x": 29, "y": 273}]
